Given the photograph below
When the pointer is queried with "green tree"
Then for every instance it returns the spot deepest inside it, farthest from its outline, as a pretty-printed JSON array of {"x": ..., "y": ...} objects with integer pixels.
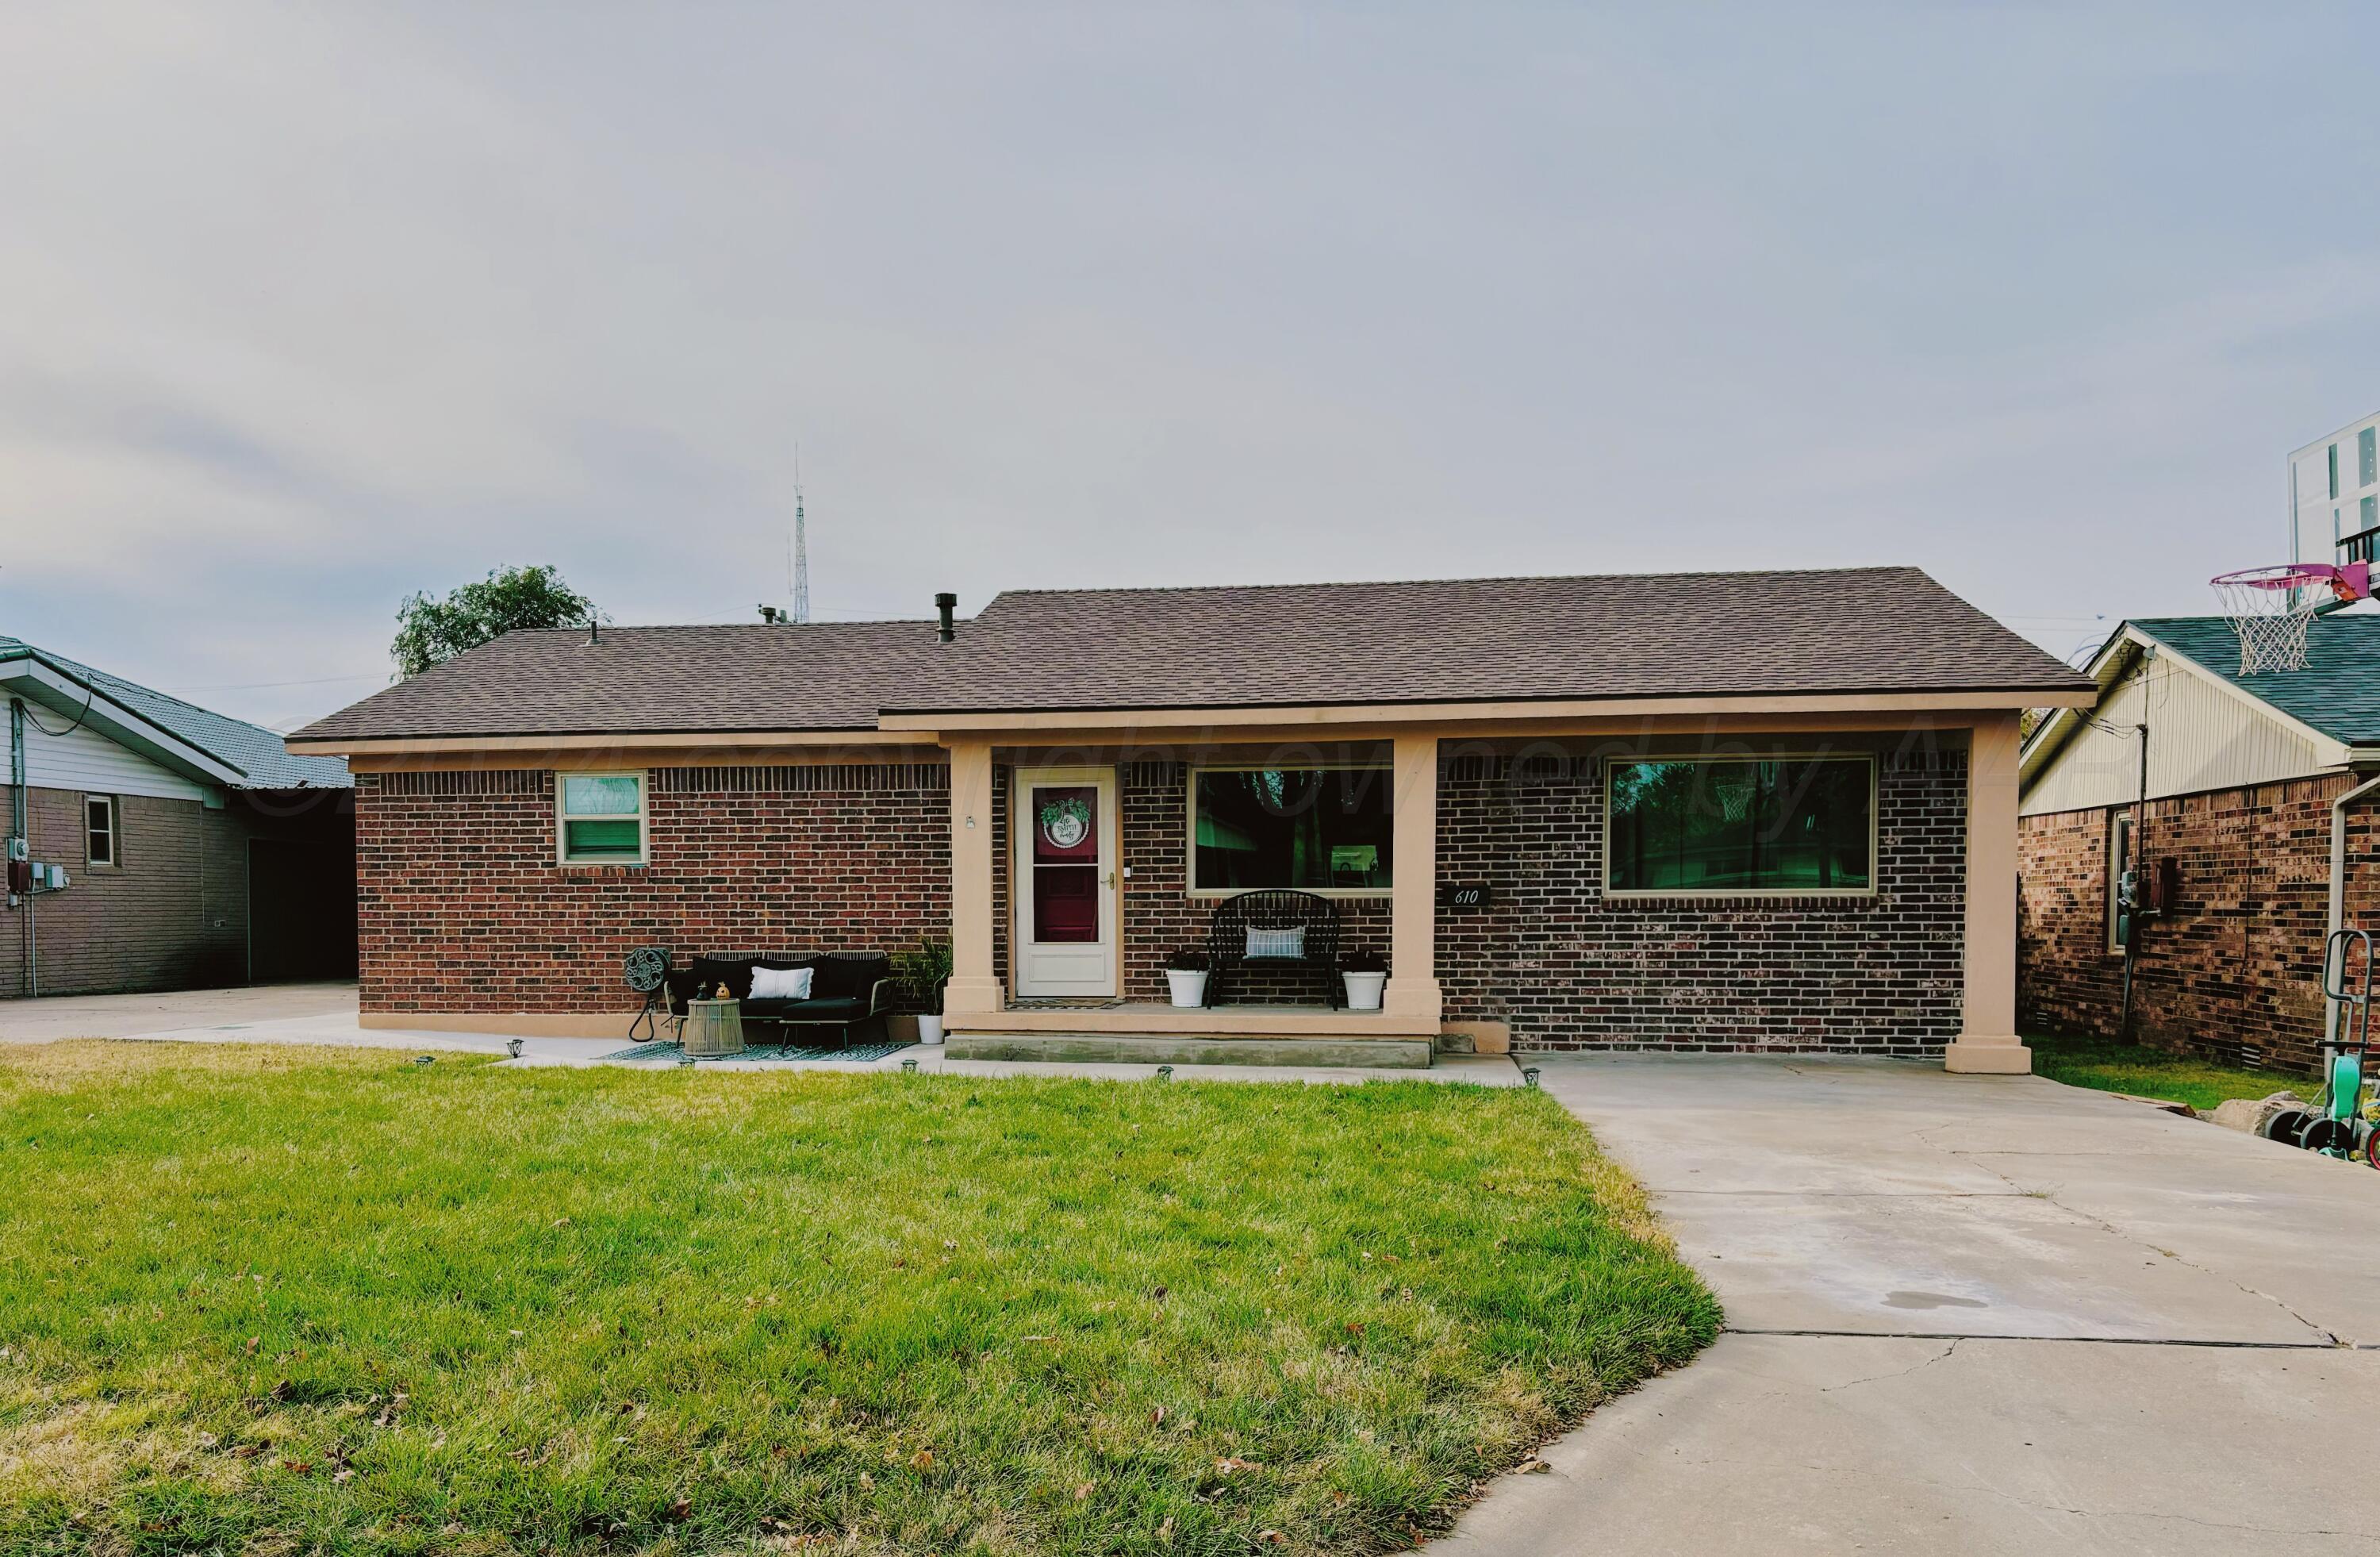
[{"x": 431, "y": 631}]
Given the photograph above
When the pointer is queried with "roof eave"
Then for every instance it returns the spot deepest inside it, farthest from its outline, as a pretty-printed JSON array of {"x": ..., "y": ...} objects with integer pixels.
[{"x": 33, "y": 676}]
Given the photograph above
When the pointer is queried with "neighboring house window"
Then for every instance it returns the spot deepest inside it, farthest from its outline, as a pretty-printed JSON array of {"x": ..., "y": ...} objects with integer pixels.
[
  {"x": 2367, "y": 457},
  {"x": 602, "y": 818},
  {"x": 2120, "y": 855},
  {"x": 99, "y": 841},
  {"x": 1327, "y": 829},
  {"x": 2334, "y": 470},
  {"x": 1697, "y": 826}
]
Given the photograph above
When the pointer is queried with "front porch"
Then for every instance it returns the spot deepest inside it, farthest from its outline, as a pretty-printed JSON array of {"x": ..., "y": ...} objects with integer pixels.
[
  {"x": 1151, "y": 1032},
  {"x": 1131, "y": 845}
]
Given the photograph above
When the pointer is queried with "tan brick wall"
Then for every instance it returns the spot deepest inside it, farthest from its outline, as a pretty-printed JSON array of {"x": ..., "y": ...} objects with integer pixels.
[
  {"x": 173, "y": 915},
  {"x": 2233, "y": 972}
]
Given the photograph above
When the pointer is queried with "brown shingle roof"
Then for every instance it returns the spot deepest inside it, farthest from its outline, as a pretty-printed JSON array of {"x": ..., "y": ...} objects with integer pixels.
[
  {"x": 1849, "y": 630},
  {"x": 1870, "y": 629},
  {"x": 824, "y": 675}
]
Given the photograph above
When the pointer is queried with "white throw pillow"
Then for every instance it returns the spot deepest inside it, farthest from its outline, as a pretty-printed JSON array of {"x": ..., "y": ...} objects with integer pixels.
[
  {"x": 1277, "y": 942},
  {"x": 781, "y": 983}
]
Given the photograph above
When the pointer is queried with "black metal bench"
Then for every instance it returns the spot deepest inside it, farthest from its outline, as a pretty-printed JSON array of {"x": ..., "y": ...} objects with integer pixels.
[{"x": 1274, "y": 928}]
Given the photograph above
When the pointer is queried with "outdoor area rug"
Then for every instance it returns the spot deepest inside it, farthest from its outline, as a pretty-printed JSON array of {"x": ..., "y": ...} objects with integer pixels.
[{"x": 667, "y": 1050}]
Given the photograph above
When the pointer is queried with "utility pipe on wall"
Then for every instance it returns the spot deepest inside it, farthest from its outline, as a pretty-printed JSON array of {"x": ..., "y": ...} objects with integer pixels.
[{"x": 2338, "y": 889}]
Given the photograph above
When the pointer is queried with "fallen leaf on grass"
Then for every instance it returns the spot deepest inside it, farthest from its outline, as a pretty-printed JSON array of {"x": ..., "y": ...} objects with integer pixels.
[
  {"x": 922, "y": 1460},
  {"x": 1157, "y": 1418},
  {"x": 1083, "y": 1491},
  {"x": 1230, "y": 1463},
  {"x": 1272, "y": 1537},
  {"x": 680, "y": 1509}
]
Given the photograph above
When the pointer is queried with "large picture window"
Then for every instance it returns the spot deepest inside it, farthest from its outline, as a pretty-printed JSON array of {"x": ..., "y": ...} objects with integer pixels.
[
  {"x": 602, "y": 818},
  {"x": 1695, "y": 826},
  {"x": 1315, "y": 828}
]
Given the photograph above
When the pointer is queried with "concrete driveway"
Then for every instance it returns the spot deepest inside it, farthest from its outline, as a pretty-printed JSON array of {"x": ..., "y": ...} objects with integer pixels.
[{"x": 1973, "y": 1315}]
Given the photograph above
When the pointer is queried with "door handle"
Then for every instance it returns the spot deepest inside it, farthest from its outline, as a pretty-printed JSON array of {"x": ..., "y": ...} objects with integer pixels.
[{"x": 1108, "y": 879}]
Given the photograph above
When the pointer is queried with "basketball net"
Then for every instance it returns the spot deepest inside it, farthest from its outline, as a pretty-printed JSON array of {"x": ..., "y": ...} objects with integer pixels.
[{"x": 2270, "y": 608}]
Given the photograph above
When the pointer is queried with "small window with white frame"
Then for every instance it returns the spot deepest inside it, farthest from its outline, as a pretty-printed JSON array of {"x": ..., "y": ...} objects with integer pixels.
[
  {"x": 602, "y": 818},
  {"x": 101, "y": 842},
  {"x": 2120, "y": 855}
]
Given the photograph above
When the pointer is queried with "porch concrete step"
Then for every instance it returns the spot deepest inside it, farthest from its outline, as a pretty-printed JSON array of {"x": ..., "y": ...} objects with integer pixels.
[{"x": 1188, "y": 1048}]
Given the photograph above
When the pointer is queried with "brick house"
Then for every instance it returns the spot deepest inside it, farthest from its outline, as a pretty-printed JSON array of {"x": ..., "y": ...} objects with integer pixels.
[
  {"x": 1766, "y": 811},
  {"x": 193, "y": 849},
  {"x": 2255, "y": 831}
]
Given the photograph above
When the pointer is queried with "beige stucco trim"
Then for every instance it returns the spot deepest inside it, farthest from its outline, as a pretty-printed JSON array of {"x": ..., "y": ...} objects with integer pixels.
[
  {"x": 1596, "y": 713},
  {"x": 975, "y": 982},
  {"x": 1987, "y": 1042},
  {"x": 507, "y": 1024},
  {"x": 1413, "y": 993},
  {"x": 356, "y": 748}
]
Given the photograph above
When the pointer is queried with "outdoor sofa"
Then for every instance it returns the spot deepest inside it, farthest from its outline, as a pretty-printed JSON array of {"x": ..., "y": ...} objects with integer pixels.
[{"x": 849, "y": 991}]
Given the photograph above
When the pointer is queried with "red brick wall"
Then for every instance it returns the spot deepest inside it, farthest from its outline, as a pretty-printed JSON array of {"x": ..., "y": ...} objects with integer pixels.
[
  {"x": 173, "y": 915},
  {"x": 2233, "y": 972},
  {"x": 464, "y": 907},
  {"x": 1570, "y": 968}
]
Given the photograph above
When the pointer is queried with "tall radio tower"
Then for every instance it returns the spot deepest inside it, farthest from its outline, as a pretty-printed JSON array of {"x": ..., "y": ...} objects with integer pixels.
[{"x": 801, "y": 560}]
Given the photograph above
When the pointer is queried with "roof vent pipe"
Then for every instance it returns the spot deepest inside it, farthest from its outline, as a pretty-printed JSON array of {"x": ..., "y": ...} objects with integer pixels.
[{"x": 943, "y": 605}]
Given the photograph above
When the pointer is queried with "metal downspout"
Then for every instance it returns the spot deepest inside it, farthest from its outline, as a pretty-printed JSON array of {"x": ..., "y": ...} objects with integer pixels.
[
  {"x": 2337, "y": 919},
  {"x": 17, "y": 819}
]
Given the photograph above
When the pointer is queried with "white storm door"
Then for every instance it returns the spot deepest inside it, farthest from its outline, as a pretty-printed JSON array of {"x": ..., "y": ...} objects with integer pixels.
[{"x": 1064, "y": 875}]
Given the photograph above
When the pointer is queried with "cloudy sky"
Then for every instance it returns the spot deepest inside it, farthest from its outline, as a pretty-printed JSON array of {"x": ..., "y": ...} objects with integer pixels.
[{"x": 303, "y": 309}]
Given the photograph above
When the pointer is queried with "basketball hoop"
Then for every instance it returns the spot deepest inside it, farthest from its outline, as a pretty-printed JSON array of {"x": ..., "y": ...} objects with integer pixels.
[{"x": 2270, "y": 608}]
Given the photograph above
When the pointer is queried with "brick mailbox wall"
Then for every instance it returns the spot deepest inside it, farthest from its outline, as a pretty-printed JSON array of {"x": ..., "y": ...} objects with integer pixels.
[
  {"x": 1569, "y": 967},
  {"x": 462, "y": 907}
]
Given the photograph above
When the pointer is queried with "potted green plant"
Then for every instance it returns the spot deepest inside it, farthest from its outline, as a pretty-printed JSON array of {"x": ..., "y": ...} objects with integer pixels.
[
  {"x": 1185, "y": 975},
  {"x": 921, "y": 973},
  {"x": 1365, "y": 974}
]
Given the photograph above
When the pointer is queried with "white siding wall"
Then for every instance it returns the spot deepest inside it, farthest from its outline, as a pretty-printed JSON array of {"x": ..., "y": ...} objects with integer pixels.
[
  {"x": 85, "y": 760},
  {"x": 2201, "y": 738}
]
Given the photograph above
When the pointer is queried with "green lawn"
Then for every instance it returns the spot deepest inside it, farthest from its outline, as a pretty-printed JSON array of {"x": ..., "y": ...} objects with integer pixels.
[
  {"x": 2154, "y": 1073},
  {"x": 272, "y": 1300}
]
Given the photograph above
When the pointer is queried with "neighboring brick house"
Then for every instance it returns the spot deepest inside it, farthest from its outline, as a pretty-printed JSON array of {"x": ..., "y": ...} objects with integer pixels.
[
  {"x": 2251, "y": 783},
  {"x": 194, "y": 849},
  {"x": 1758, "y": 811}
]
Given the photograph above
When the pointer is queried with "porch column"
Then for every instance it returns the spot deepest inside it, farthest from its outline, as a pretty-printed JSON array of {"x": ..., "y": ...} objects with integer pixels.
[
  {"x": 1413, "y": 898},
  {"x": 1987, "y": 1042},
  {"x": 974, "y": 983}
]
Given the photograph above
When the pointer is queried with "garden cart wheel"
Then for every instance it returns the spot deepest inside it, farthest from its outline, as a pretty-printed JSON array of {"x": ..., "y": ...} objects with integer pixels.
[
  {"x": 2334, "y": 1136},
  {"x": 2372, "y": 1147}
]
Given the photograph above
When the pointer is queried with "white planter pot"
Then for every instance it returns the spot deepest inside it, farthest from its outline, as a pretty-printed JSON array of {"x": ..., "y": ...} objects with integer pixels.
[
  {"x": 929, "y": 1028},
  {"x": 1189, "y": 987},
  {"x": 1364, "y": 989}
]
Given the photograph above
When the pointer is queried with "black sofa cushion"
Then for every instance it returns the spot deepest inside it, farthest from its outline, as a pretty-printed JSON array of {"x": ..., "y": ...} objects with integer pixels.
[
  {"x": 712, "y": 972},
  {"x": 848, "y": 975}
]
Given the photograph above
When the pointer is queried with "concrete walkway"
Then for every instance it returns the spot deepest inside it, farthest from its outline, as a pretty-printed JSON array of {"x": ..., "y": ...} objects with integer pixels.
[
  {"x": 1978, "y": 1315},
  {"x": 326, "y": 1015}
]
